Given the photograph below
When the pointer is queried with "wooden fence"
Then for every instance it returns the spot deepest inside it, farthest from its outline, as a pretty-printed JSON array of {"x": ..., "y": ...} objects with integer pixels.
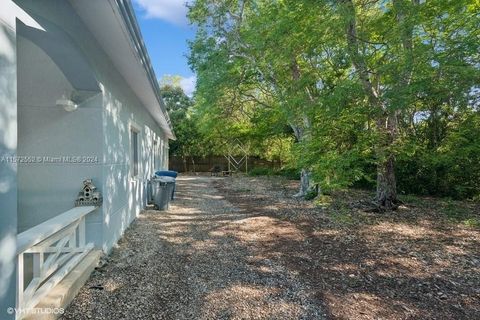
[{"x": 205, "y": 164}]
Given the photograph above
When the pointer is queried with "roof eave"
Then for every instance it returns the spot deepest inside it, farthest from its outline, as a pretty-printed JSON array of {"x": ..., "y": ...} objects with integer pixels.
[
  {"x": 130, "y": 19},
  {"x": 114, "y": 25}
]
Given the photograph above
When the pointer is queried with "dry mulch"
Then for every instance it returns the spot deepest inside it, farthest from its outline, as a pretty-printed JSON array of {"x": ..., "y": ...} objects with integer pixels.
[
  {"x": 243, "y": 248},
  {"x": 203, "y": 259},
  {"x": 419, "y": 262}
]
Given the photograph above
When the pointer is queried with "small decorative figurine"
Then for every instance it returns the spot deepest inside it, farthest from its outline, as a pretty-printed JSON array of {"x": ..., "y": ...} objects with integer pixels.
[{"x": 89, "y": 196}]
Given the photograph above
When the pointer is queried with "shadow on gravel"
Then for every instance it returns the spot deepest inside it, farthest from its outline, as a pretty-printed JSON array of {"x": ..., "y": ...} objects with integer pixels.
[
  {"x": 243, "y": 249},
  {"x": 393, "y": 268},
  {"x": 203, "y": 259}
]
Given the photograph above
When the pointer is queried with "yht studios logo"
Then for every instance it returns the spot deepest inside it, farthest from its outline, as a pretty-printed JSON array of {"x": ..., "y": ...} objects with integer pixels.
[{"x": 25, "y": 311}]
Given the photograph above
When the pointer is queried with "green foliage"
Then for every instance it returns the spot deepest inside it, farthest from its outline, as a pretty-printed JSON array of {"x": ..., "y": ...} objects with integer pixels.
[
  {"x": 324, "y": 201},
  {"x": 339, "y": 87},
  {"x": 188, "y": 141},
  {"x": 289, "y": 173},
  {"x": 260, "y": 171},
  {"x": 459, "y": 214},
  {"x": 311, "y": 194},
  {"x": 449, "y": 168}
]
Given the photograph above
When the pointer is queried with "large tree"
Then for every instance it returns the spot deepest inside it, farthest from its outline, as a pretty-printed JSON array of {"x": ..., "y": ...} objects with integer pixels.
[
  {"x": 392, "y": 46},
  {"x": 243, "y": 55},
  {"x": 189, "y": 142},
  {"x": 361, "y": 83}
]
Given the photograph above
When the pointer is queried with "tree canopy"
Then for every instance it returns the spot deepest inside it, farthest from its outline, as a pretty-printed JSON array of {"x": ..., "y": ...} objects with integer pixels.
[{"x": 356, "y": 92}]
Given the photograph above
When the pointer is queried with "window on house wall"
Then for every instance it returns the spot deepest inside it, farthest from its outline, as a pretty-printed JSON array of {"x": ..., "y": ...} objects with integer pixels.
[
  {"x": 134, "y": 142},
  {"x": 166, "y": 154},
  {"x": 156, "y": 158},
  {"x": 160, "y": 154}
]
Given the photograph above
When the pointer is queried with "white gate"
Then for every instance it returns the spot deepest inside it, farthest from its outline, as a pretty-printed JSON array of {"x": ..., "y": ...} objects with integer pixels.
[{"x": 237, "y": 157}]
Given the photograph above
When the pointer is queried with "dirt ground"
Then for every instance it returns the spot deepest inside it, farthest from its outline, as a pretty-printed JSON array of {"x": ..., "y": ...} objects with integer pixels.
[
  {"x": 202, "y": 259},
  {"x": 420, "y": 262},
  {"x": 243, "y": 248}
]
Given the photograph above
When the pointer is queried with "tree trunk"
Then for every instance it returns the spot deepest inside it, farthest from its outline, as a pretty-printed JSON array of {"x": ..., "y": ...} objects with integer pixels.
[
  {"x": 386, "y": 182},
  {"x": 305, "y": 183},
  {"x": 302, "y": 134},
  {"x": 386, "y": 197},
  {"x": 386, "y": 185},
  {"x": 184, "y": 163}
]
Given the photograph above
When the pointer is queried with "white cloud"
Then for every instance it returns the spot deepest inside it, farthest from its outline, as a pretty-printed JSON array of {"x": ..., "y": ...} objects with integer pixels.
[
  {"x": 188, "y": 85},
  {"x": 174, "y": 11}
]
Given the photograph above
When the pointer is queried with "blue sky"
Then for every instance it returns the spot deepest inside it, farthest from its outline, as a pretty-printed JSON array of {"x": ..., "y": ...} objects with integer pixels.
[{"x": 165, "y": 30}]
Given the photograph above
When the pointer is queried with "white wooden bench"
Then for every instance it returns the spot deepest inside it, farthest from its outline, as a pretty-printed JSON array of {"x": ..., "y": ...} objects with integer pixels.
[{"x": 57, "y": 246}]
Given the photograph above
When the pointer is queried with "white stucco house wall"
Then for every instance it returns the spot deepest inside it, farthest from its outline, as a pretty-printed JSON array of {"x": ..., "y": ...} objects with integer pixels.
[{"x": 90, "y": 53}]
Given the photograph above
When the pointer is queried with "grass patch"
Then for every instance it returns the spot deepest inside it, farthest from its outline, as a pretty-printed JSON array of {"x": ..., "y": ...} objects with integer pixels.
[
  {"x": 323, "y": 201},
  {"x": 412, "y": 199},
  {"x": 472, "y": 222},
  {"x": 459, "y": 214},
  {"x": 342, "y": 216},
  {"x": 453, "y": 211},
  {"x": 338, "y": 213}
]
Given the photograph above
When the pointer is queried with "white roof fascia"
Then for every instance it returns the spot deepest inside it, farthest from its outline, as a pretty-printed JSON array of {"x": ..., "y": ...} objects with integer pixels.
[{"x": 113, "y": 24}]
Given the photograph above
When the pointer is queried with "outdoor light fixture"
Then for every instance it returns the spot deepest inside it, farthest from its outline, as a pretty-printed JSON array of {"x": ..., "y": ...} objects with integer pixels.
[{"x": 67, "y": 104}]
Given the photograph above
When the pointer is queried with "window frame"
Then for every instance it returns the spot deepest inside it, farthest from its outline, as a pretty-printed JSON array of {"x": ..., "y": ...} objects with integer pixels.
[
  {"x": 156, "y": 154},
  {"x": 135, "y": 133}
]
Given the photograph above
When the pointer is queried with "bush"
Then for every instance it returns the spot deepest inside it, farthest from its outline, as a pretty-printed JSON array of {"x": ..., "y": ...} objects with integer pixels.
[
  {"x": 450, "y": 170},
  {"x": 260, "y": 171},
  {"x": 289, "y": 173},
  {"x": 311, "y": 194}
]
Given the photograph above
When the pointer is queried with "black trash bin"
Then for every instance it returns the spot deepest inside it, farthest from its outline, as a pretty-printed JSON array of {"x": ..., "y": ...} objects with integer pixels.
[
  {"x": 162, "y": 189},
  {"x": 171, "y": 174}
]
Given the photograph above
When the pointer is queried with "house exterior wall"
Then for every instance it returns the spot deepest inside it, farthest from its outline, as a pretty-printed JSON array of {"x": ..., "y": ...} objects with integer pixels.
[
  {"x": 99, "y": 128},
  {"x": 8, "y": 176},
  {"x": 46, "y": 130},
  {"x": 125, "y": 195},
  {"x": 49, "y": 186}
]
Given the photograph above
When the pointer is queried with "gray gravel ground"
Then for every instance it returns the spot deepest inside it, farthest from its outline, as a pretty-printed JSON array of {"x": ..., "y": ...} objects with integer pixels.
[{"x": 203, "y": 259}]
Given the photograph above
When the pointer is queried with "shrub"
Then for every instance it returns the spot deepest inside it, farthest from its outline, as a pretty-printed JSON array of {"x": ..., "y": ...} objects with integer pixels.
[
  {"x": 289, "y": 173},
  {"x": 260, "y": 171},
  {"x": 311, "y": 194},
  {"x": 452, "y": 169}
]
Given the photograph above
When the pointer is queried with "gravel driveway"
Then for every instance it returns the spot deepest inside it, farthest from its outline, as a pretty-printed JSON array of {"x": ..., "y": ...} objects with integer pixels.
[{"x": 203, "y": 259}]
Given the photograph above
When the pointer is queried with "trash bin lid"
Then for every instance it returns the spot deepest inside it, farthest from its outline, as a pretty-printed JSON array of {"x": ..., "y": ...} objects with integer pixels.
[{"x": 166, "y": 173}]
